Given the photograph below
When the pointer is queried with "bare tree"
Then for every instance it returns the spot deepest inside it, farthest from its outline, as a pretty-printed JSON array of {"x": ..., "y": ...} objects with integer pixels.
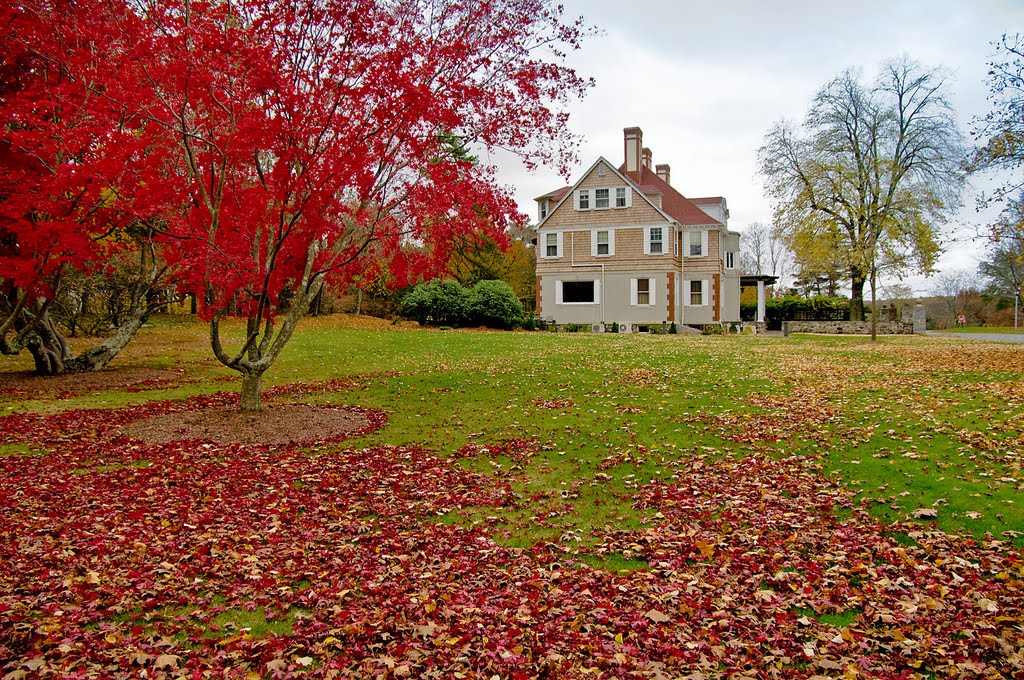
[
  {"x": 959, "y": 296},
  {"x": 764, "y": 251},
  {"x": 872, "y": 172}
]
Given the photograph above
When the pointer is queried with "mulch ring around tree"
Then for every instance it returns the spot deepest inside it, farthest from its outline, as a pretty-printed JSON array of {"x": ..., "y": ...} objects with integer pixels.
[
  {"x": 128, "y": 378},
  {"x": 214, "y": 418},
  {"x": 276, "y": 424}
]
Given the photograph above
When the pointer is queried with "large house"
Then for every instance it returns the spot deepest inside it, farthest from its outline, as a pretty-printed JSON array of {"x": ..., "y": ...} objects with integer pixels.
[{"x": 622, "y": 245}]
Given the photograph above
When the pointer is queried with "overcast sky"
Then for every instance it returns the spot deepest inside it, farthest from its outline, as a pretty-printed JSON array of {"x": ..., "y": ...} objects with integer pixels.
[{"x": 706, "y": 80}]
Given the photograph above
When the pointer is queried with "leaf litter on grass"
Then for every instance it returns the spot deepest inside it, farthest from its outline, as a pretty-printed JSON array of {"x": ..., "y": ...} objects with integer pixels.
[{"x": 752, "y": 573}]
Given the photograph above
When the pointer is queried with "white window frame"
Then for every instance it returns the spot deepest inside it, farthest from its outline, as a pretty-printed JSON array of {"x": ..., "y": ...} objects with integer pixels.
[
  {"x": 598, "y": 198},
  {"x": 730, "y": 260},
  {"x": 688, "y": 240},
  {"x": 597, "y": 292},
  {"x": 544, "y": 245},
  {"x": 543, "y": 209},
  {"x": 627, "y": 197},
  {"x": 634, "y": 293},
  {"x": 647, "y": 240},
  {"x": 586, "y": 199},
  {"x": 705, "y": 290},
  {"x": 593, "y": 242},
  {"x": 581, "y": 196}
]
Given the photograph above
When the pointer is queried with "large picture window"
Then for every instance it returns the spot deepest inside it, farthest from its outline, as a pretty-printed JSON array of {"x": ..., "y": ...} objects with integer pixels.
[{"x": 578, "y": 291}]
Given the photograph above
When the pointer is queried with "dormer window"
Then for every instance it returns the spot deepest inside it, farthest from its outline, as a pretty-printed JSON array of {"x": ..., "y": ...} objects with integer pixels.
[{"x": 543, "y": 209}]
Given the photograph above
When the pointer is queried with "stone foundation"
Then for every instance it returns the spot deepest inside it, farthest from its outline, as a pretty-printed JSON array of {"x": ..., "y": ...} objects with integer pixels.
[{"x": 847, "y": 327}]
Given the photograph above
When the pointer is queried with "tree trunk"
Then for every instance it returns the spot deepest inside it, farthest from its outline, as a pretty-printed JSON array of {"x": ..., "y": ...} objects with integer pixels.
[
  {"x": 97, "y": 357},
  {"x": 49, "y": 349},
  {"x": 874, "y": 306},
  {"x": 857, "y": 280},
  {"x": 252, "y": 389}
]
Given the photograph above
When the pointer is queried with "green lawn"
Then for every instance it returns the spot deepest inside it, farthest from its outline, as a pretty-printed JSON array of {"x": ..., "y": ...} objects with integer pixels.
[
  {"x": 986, "y": 329},
  {"x": 905, "y": 423}
]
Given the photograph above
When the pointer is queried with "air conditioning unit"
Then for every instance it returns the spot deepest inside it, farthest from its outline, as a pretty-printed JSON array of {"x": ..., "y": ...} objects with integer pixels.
[
  {"x": 597, "y": 328},
  {"x": 624, "y": 327}
]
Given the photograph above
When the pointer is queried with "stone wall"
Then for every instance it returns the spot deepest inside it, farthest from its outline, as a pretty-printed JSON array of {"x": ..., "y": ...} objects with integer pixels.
[{"x": 847, "y": 327}]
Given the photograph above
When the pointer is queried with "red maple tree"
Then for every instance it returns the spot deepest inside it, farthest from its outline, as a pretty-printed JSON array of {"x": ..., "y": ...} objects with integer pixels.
[
  {"x": 301, "y": 140},
  {"x": 73, "y": 193}
]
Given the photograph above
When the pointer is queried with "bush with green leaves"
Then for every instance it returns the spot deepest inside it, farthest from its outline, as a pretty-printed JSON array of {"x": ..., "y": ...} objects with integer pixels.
[
  {"x": 494, "y": 304},
  {"x": 444, "y": 303}
]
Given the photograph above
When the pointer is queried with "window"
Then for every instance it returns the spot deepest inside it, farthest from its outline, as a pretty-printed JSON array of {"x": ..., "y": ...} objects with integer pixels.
[
  {"x": 543, "y": 209},
  {"x": 655, "y": 242},
  {"x": 698, "y": 293},
  {"x": 601, "y": 199},
  {"x": 577, "y": 292},
  {"x": 583, "y": 199},
  {"x": 730, "y": 260},
  {"x": 603, "y": 247},
  {"x": 696, "y": 243},
  {"x": 553, "y": 244},
  {"x": 641, "y": 291}
]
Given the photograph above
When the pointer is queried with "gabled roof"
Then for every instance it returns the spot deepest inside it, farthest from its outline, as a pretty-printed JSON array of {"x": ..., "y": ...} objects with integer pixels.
[
  {"x": 568, "y": 191},
  {"x": 674, "y": 206},
  {"x": 678, "y": 207}
]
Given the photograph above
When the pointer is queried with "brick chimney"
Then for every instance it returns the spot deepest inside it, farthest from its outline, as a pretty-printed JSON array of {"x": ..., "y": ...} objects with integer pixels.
[
  {"x": 648, "y": 159},
  {"x": 663, "y": 173},
  {"x": 633, "y": 141}
]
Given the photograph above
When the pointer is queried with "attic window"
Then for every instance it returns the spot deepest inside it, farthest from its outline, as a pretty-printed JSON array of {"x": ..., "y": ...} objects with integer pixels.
[
  {"x": 601, "y": 198},
  {"x": 583, "y": 199},
  {"x": 620, "y": 197}
]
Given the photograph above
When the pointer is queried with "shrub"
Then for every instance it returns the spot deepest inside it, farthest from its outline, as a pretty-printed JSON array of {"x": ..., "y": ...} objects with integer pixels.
[
  {"x": 416, "y": 304},
  {"x": 445, "y": 303},
  {"x": 615, "y": 326},
  {"x": 494, "y": 304},
  {"x": 673, "y": 329},
  {"x": 571, "y": 328},
  {"x": 450, "y": 303}
]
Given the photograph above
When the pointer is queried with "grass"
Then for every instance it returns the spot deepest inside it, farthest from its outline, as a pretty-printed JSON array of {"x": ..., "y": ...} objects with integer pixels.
[
  {"x": 908, "y": 423},
  {"x": 985, "y": 329}
]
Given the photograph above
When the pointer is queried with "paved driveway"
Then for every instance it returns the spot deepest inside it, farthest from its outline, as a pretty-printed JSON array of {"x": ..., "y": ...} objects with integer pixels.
[{"x": 990, "y": 337}]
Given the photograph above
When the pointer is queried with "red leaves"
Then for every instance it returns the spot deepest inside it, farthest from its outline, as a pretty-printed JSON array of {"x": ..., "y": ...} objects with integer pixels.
[{"x": 123, "y": 558}]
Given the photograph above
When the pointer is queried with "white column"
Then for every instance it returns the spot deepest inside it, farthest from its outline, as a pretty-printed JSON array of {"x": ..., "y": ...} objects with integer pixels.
[{"x": 760, "y": 301}]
